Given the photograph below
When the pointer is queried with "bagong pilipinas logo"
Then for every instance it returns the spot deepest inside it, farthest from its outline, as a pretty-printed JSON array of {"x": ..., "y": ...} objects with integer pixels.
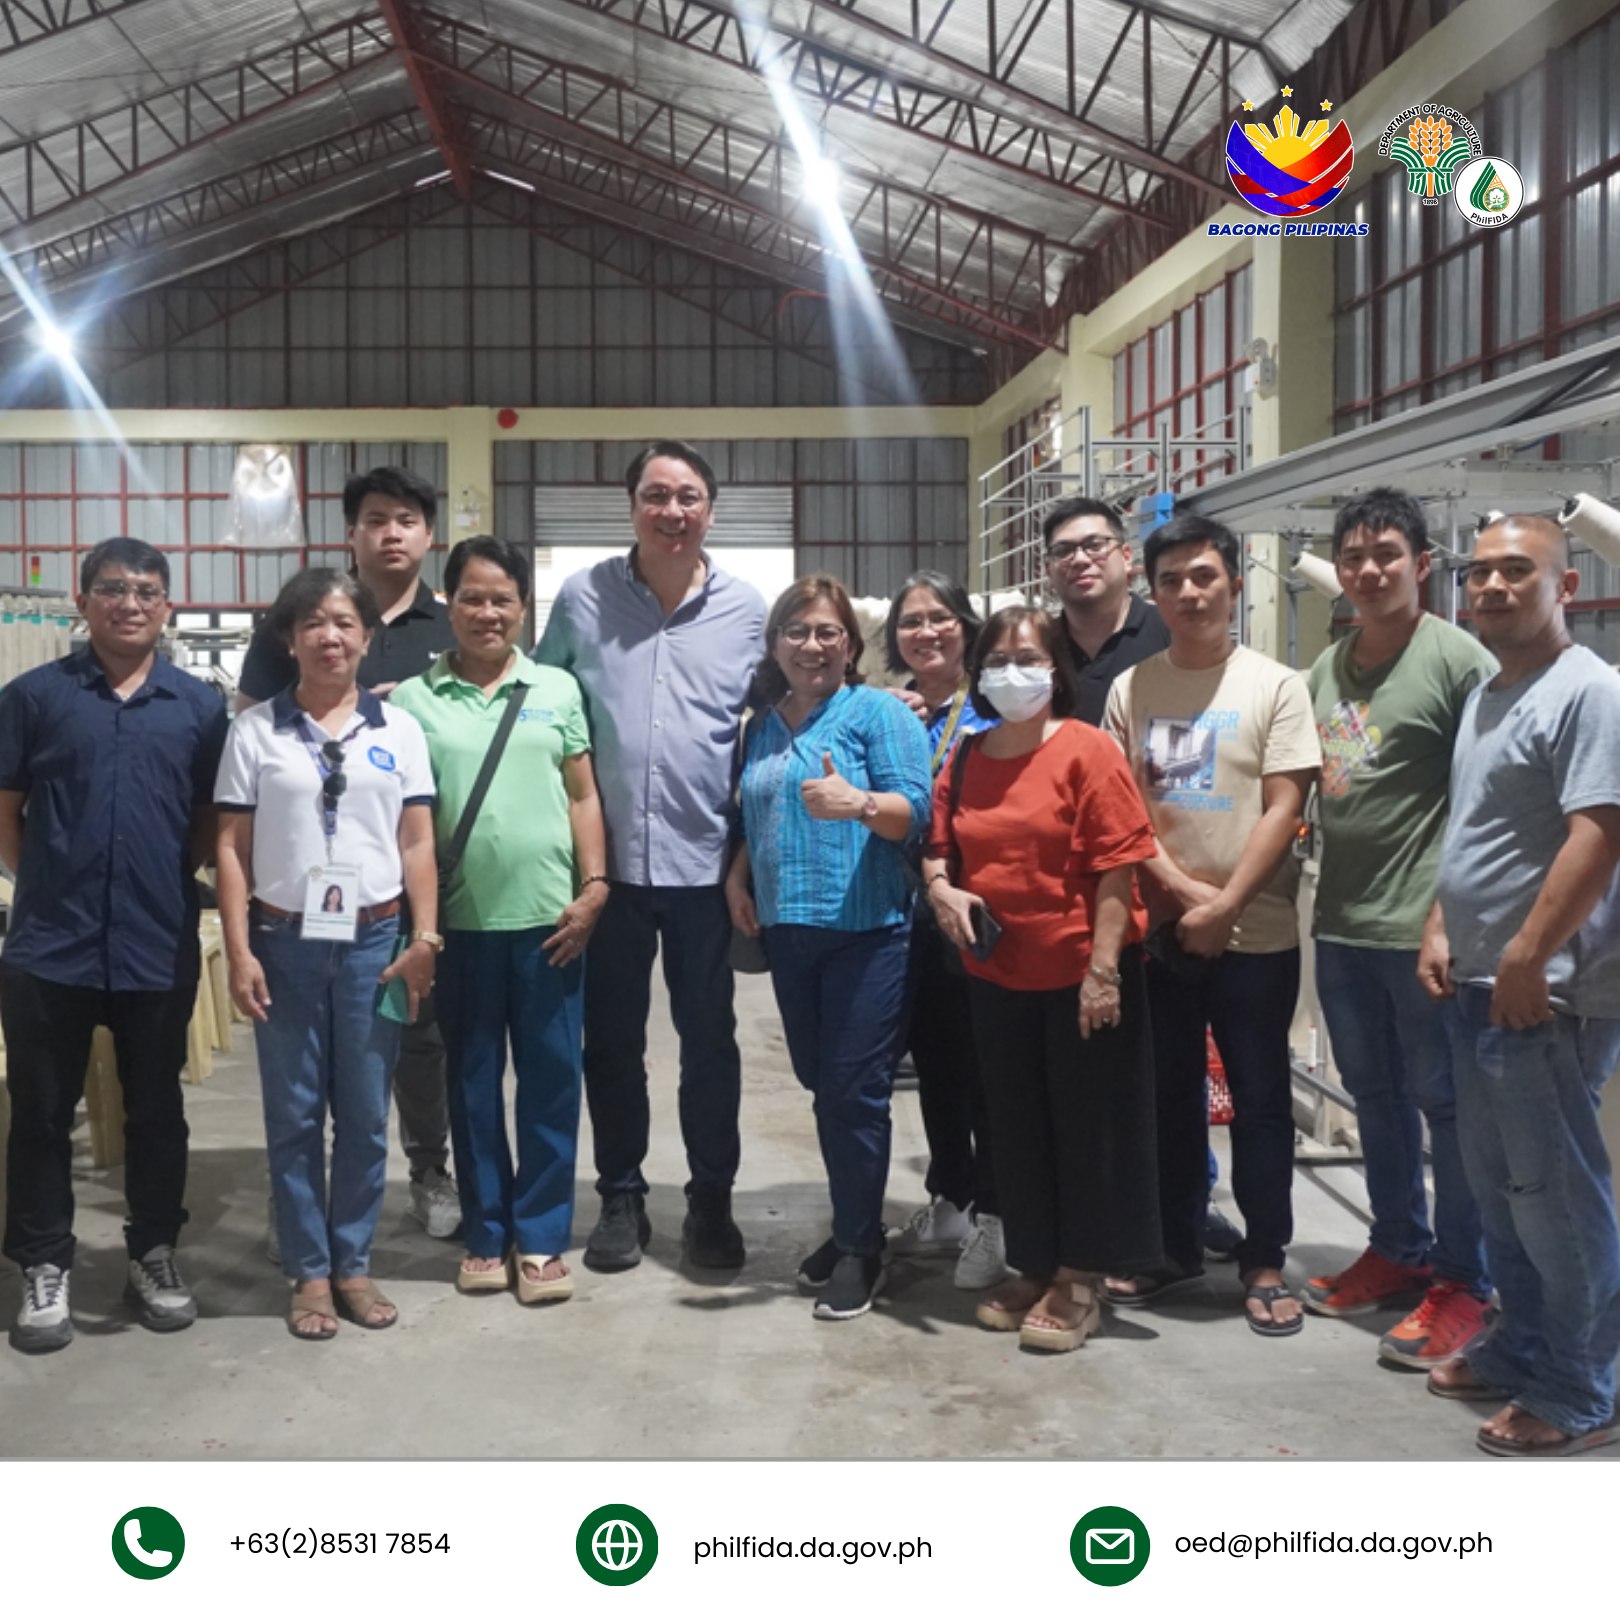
[
  {"x": 1431, "y": 143},
  {"x": 1286, "y": 171}
]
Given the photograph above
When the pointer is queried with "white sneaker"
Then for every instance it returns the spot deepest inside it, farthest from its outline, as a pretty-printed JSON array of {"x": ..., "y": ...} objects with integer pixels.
[
  {"x": 938, "y": 1227},
  {"x": 272, "y": 1238},
  {"x": 43, "y": 1323},
  {"x": 158, "y": 1291},
  {"x": 435, "y": 1204},
  {"x": 984, "y": 1255}
]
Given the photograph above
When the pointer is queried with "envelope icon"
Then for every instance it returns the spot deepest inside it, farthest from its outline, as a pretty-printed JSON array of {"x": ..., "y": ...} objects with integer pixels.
[{"x": 1110, "y": 1546}]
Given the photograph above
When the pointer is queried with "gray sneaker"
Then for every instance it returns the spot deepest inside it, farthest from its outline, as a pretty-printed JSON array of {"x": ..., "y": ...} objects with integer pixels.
[
  {"x": 436, "y": 1204},
  {"x": 158, "y": 1291},
  {"x": 43, "y": 1323}
]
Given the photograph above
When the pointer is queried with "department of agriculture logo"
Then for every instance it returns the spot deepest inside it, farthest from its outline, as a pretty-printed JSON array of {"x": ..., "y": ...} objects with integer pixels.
[
  {"x": 148, "y": 1543},
  {"x": 1490, "y": 191},
  {"x": 1286, "y": 171},
  {"x": 1110, "y": 1546},
  {"x": 616, "y": 1544},
  {"x": 1431, "y": 143}
]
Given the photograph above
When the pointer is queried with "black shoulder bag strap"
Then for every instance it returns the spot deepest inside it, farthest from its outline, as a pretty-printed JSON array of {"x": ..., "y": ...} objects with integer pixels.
[
  {"x": 958, "y": 769},
  {"x": 450, "y": 858}
]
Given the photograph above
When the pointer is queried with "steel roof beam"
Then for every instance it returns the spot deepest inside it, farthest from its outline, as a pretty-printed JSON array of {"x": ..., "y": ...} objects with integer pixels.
[
  {"x": 59, "y": 167},
  {"x": 440, "y": 119},
  {"x": 739, "y": 231},
  {"x": 64, "y": 263},
  {"x": 24, "y": 22},
  {"x": 1035, "y": 148}
]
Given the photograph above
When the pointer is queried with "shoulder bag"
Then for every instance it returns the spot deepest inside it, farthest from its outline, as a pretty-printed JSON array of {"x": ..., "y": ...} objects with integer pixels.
[{"x": 450, "y": 856}]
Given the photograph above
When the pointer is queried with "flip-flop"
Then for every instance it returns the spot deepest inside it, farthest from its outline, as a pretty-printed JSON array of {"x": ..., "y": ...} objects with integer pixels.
[
  {"x": 358, "y": 1303},
  {"x": 470, "y": 1280},
  {"x": 540, "y": 1290},
  {"x": 1476, "y": 1391},
  {"x": 1567, "y": 1445},
  {"x": 301, "y": 1311},
  {"x": 1002, "y": 1318},
  {"x": 1269, "y": 1294},
  {"x": 1152, "y": 1285}
]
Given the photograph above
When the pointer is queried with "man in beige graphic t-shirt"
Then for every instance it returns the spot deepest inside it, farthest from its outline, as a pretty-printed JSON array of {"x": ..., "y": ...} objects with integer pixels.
[{"x": 1224, "y": 748}]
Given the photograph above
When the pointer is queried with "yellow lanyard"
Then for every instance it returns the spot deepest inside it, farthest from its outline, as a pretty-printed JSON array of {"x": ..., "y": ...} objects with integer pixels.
[{"x": 945, "y": 736}]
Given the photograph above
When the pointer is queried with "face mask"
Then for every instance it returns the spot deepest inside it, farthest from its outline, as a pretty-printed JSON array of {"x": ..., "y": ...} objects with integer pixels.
[{"x": 1018, "y": 694}]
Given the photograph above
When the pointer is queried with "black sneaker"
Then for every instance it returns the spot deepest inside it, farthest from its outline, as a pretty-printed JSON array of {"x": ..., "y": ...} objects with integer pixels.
[
  {"x": 620, "y": 1235},
  {"x": 815, "y": 1270},
  {"x": 1221, "y": 1237},
  {"x": 709, "y": 1233},
  {"x": 852, "y": 1287}
]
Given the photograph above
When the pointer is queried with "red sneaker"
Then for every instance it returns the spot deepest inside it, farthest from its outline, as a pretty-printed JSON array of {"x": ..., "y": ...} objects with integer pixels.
[
  {"x": 1448, "y": 1321},
  {"x": 1371, "y": 1283}
]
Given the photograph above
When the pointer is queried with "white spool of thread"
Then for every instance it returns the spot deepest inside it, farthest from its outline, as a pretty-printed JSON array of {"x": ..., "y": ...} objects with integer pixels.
[
  {"x": 1320, "y": 575},
  {"x": 1594, "y": 523}
]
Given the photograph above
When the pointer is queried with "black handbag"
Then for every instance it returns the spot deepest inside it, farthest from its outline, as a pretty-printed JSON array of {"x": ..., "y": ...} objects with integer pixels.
[{"x": 924, "y": 921}]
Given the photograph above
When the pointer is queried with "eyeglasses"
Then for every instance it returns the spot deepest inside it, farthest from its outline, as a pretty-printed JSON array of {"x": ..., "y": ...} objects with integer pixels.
[
  {"x": 336, "y": 783},
  {"x": 119, "y": 590},
  {"x": 824, "y": 635},
  {"x": 1094, "y": 548},
  {"x": 689, "y": 500},
  {"x": 927, "y": 621},
  {"x": 1023, "y": 660}
]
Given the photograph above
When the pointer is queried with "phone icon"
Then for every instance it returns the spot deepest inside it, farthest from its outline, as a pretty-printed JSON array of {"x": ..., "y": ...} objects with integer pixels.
[{"x": 148, "y": 1543}]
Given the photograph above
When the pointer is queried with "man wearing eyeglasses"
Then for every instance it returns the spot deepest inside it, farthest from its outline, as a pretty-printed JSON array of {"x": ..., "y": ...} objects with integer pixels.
[
  {"x": 663, "y": 643},
  {"x": 389, "y": 513},
  {"x": 1110, "y": 627},
  {"x": 107, "y": 763}
]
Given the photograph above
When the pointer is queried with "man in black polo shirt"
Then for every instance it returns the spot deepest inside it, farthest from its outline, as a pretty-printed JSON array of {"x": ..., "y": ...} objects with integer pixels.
[
  {"x": 1110, "y": 627},
  {"x": 390, "y": 513},
  {"x": 107, "y": 765}
]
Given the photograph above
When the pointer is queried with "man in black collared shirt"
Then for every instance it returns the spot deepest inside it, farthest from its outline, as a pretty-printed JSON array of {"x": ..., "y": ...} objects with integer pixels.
[
  {"x": 107, "y": 765},
  {"x": 1110, "y": 627},
  {"x": 390, "y": 513}
]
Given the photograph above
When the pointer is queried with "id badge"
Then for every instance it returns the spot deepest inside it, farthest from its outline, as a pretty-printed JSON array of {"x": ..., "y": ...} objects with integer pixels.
[{"x": 332, "y": 903}]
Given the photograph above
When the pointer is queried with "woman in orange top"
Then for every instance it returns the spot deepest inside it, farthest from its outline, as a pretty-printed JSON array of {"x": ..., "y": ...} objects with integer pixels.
[{"x": 1037, "y": 830}]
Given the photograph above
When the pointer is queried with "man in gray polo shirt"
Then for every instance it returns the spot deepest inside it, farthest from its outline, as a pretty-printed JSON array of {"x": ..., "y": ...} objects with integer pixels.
[
  {"x": 1524, "y": 945},
  {"x": 664, "y": 645}
]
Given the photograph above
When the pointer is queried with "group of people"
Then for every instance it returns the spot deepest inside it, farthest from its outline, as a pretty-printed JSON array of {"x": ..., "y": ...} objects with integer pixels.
[{"x": 1051, "y": 863}]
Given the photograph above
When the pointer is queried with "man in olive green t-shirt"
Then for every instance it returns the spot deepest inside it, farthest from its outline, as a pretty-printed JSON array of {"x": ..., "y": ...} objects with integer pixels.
[{"x": 1388, "y": 699}]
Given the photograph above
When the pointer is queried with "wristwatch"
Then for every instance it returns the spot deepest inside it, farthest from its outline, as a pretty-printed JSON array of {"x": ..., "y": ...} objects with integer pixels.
[
  {"x": 1095, "y": 972},
  {"x": 420, "y": 936},
  {"x": 869, "y": 810}
]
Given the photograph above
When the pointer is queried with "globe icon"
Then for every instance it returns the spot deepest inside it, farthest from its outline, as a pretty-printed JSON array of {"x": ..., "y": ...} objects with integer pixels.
[{"x": 617, "y": 1544}]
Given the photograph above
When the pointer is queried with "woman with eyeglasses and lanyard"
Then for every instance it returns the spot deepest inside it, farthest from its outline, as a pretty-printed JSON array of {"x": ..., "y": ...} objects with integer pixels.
[
  {"x": 1039, "y": 825},
  {"x": 930, "y": 633},
  {"x": 834, "y": 782},
  {"x": 324, "y": 786}
]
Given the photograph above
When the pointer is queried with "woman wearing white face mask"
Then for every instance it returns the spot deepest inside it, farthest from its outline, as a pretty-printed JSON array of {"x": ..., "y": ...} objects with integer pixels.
[{"x": 1037, "y": 828}]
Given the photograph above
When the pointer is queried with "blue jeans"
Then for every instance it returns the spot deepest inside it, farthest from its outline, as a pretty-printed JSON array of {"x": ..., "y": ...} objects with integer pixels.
[
  {"x": 842, "y": 996},
  {"x": 1527, "y": 1115},
  {"x": 1247, "y": 1000},
  {"x": 1389, "y": 1041},
  {"x": 492, "y": 985},
  {"x": 324, "y": 1048},
  {"x": 695, "y": 928}
]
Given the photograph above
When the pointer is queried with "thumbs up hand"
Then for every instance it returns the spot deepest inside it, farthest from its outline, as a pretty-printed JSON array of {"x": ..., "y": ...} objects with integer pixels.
[{"x": 829, "y": 797}]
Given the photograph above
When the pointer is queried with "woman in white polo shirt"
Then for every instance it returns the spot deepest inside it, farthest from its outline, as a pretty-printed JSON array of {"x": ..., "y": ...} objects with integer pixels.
[{"x": 326, "y": 788}]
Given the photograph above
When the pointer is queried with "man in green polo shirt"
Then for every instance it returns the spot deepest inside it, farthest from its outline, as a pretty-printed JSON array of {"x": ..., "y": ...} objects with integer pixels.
[{"x": 517, "y": 912}]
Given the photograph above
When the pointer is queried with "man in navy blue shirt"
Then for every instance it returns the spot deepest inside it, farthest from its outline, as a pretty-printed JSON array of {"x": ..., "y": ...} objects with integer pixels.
[{"x": 107, "y": 766}]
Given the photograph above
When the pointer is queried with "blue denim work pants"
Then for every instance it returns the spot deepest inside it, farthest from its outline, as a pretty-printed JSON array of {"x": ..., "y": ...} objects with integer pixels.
[
  {"x": 493, "y": 987},
  {"x": 842, "y": 997},
  {"x": 1390, "y": 1044},
  {"x": 324, "y": 1049},
  {"x": 1527, "y": 1116}
]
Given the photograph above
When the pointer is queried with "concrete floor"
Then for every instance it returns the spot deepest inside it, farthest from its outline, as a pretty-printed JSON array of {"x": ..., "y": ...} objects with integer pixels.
[{"x": 655, "y": 1364}]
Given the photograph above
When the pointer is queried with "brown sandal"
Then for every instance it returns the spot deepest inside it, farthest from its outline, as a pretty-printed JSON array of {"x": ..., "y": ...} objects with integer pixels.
[
  {"x": 358, "y": 1301},
  {"x": 307, "y": 1305}
]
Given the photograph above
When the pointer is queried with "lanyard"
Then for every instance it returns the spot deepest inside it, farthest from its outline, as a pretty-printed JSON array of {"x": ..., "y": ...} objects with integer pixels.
[
  {"x": 945, "y": 736},
  {"x": 315, "y": 744}
]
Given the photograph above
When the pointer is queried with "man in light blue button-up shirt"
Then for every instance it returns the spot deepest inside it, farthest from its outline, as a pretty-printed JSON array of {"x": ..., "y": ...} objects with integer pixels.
[{"x": 664, "y": 645}]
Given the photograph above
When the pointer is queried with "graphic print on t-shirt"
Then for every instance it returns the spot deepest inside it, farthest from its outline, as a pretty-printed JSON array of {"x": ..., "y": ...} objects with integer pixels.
[
  {"x": 1179, "y": 755},
  {"x": 1349, "y": 745}
]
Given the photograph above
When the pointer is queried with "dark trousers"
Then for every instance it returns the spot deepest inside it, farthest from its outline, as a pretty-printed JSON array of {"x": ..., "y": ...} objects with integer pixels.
[
  {"x": 842, "y": 996},
  {"x": 955, "y": 1117},
  {"x": 48, "y": 1029},
  {"x": 1073, "y": 1123},
  {"x": 1247, "y": 1000},
  {"x": 695, "y": 928},
  {"x": 420, "y": 1093}
]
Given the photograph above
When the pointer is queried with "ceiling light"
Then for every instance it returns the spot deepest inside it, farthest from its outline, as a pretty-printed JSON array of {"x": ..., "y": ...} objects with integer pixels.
[
  {"x": 53, "y": 339},
  {"x": 821, "y": 181}
]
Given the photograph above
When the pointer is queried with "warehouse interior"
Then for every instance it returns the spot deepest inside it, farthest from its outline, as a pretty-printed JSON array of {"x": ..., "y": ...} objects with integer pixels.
[{"x": 904, "y": 271}]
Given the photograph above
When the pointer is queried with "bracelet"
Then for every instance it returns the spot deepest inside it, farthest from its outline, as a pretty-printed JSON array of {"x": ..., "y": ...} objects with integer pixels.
[
  {"x": 939, "y": 877},
  {"x": 420, "y": 936},
  {"x": 1113, "y": 980},
  {"x": 595, "y": 877}
]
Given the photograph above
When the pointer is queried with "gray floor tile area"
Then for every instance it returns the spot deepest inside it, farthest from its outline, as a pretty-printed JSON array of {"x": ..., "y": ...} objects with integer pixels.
[{"x": 656, "y": 1363}]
